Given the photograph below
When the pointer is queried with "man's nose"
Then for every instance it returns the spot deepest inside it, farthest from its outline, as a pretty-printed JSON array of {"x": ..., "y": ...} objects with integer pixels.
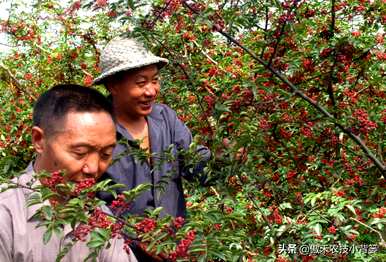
[
  {"x": 151, "y": 90},
  {"x": 91, "y": 165}
]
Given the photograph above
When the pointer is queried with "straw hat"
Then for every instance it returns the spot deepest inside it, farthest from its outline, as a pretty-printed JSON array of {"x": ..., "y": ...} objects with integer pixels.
[{"x": 122, "y": 54}]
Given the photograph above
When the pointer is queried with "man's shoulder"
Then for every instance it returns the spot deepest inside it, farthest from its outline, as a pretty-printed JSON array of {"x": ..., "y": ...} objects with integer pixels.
[
  {"x": 15, "y": 190},
  {"x": 159, "y": 107},
  {"x": 11, "y": 201},
  {"x": 162, "y": 111},
  {"x": 8, "y": 194}
]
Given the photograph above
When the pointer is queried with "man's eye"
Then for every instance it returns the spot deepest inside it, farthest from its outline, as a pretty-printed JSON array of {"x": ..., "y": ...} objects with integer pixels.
[
  {"x": 80, "y": 154},
  {"x": 141, "y": 83},
  {"x": 106, "y": 156}
]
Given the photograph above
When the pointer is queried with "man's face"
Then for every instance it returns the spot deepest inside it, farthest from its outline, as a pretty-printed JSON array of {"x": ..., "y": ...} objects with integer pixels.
[
  {"x": 82, "y": 147},
  {"x": 135, "y": 93}
]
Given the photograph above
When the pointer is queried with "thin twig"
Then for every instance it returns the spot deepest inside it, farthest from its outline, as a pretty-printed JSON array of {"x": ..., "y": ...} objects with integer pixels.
[
  {"x": 19, "y": 88},
  {"x": 383, "y": 242},
  {"x": 281, "y": 34},
  {"x": 277, "y": 44},
  {"x": 204, "y": 53},
  {"x": 330, "y": 89},
  {"x": 265, "y": 29},
  {"x": 332, "y": 25},
  {"x": 8, "y": 45}
]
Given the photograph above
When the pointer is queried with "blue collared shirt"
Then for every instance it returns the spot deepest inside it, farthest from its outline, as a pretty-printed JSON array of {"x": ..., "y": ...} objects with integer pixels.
[{"x": 165, "y": 129}]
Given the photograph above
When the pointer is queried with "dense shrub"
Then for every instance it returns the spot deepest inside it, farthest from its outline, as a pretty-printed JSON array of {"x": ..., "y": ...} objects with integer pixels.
[{"x": 288, "y": 95}]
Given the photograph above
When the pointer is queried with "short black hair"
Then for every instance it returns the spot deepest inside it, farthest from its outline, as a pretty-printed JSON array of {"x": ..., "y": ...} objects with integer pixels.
[{"x": 54, "y": 104}]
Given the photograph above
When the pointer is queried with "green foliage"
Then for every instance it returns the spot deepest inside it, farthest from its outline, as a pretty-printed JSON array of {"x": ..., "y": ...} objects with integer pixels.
[{"x": 282, "y": 172}]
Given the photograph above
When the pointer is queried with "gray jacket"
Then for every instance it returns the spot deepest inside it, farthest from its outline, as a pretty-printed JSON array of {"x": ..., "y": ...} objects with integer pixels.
[{"x": 165, "y": 129}]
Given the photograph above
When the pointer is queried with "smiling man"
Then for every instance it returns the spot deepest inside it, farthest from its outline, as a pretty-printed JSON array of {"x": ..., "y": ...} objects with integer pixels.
[
  {"x": 73, "y": 132},
  {"x": 130, "y": 72}
]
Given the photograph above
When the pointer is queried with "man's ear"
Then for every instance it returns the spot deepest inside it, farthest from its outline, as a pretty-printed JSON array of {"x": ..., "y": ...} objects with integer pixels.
[{"x": 38, "y": 139}]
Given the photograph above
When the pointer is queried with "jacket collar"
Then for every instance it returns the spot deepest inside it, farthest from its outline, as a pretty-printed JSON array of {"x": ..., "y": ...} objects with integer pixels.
[{"x": 153, "y": 120}]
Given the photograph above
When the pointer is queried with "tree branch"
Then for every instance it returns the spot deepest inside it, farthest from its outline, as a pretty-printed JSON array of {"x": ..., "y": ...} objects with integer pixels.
[
  {"x": 19, "y": 88},
  {"x": 265, "y": 29},
  {"x": 383, "y": 242},
  {"x": 330, "y": 89},
  {"x": 332, "y": 25}
]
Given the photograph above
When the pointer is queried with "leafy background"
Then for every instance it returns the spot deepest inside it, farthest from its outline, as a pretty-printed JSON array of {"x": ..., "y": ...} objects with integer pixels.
[{"x": 283, "y": 171}]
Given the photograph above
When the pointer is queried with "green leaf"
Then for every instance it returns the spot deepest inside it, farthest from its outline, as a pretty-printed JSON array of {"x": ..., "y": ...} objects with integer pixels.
[
  {"x": 156, "y": 240},
  {"x": 103, "y": 233},
  {"x": 376, "y": 221},
  {"x": 131, "y": 194},
  {"x": 351, "y": 208},
  {"x": 215, "y": 254},
  {"x": 155, "y": 212},
  {"x": 97, "y": 243},
  {"x": 318, "y": 229},
  {"x": 34, "y": 198},
  {"x": 285, "y": 206},
  {"x": 47, "y": 211},
  {"x": 47, "y": 235}
]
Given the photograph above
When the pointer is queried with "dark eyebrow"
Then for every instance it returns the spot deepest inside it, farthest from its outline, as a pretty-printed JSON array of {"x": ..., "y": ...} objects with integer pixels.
[
  {"x": 90, "y": 146},
  {"x": 144, "y": 76}
]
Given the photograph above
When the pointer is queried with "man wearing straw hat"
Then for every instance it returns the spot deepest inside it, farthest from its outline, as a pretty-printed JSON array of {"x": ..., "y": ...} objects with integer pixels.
[{"x": 130, "y": 73}]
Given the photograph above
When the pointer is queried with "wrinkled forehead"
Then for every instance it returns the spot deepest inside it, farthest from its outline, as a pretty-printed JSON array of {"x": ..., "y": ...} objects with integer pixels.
[
  {"x": 147, "y": 71},
  {"x": 96, "y": 127}
]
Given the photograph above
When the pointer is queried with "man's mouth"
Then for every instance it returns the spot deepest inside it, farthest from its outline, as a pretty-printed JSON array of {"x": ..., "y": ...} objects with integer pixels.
[{"x": 146, "y": 103}]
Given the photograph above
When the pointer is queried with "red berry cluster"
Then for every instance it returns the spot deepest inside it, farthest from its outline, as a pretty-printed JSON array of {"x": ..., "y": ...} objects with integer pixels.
[
  {"x": 365, "y": 125},
  {"x": 325, "y": 52},
  {"x": 306, "y": 132},
  {"x": 308, "y": 65},
  {"x": 286, "y": 18},
  {"x": 88, "y": 80},
  {"x": 285, "y": 134},
  {"x": 84, "y": 184},
  {"x": 51, "y": 182},
  {"x": 116, "y": 229},
  {"x": 99, "y": 219},
  {"x": 166, "y": 10},
  {"x": 264, "y": 124},
  {"x": 381, "y": 213},
  {"x": 178, "y": 222},
  {"x": 275, "y": 216},
  {"x": 145, "y": 225},
  {"x": 217, "y": 226},
  {"x": 332, "y": 229},
  {"x": 340, "y": 193},
  {"x": 119, "y": 205},
  {"x": 183, "y": 246},
  {"x": 228, "y": 210},
  {"x": 352, "y": 95},
  {"x": 74, "y": 7},
  {"x": 101, "y": 3},
  {"x": 81, "y": 232}
]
